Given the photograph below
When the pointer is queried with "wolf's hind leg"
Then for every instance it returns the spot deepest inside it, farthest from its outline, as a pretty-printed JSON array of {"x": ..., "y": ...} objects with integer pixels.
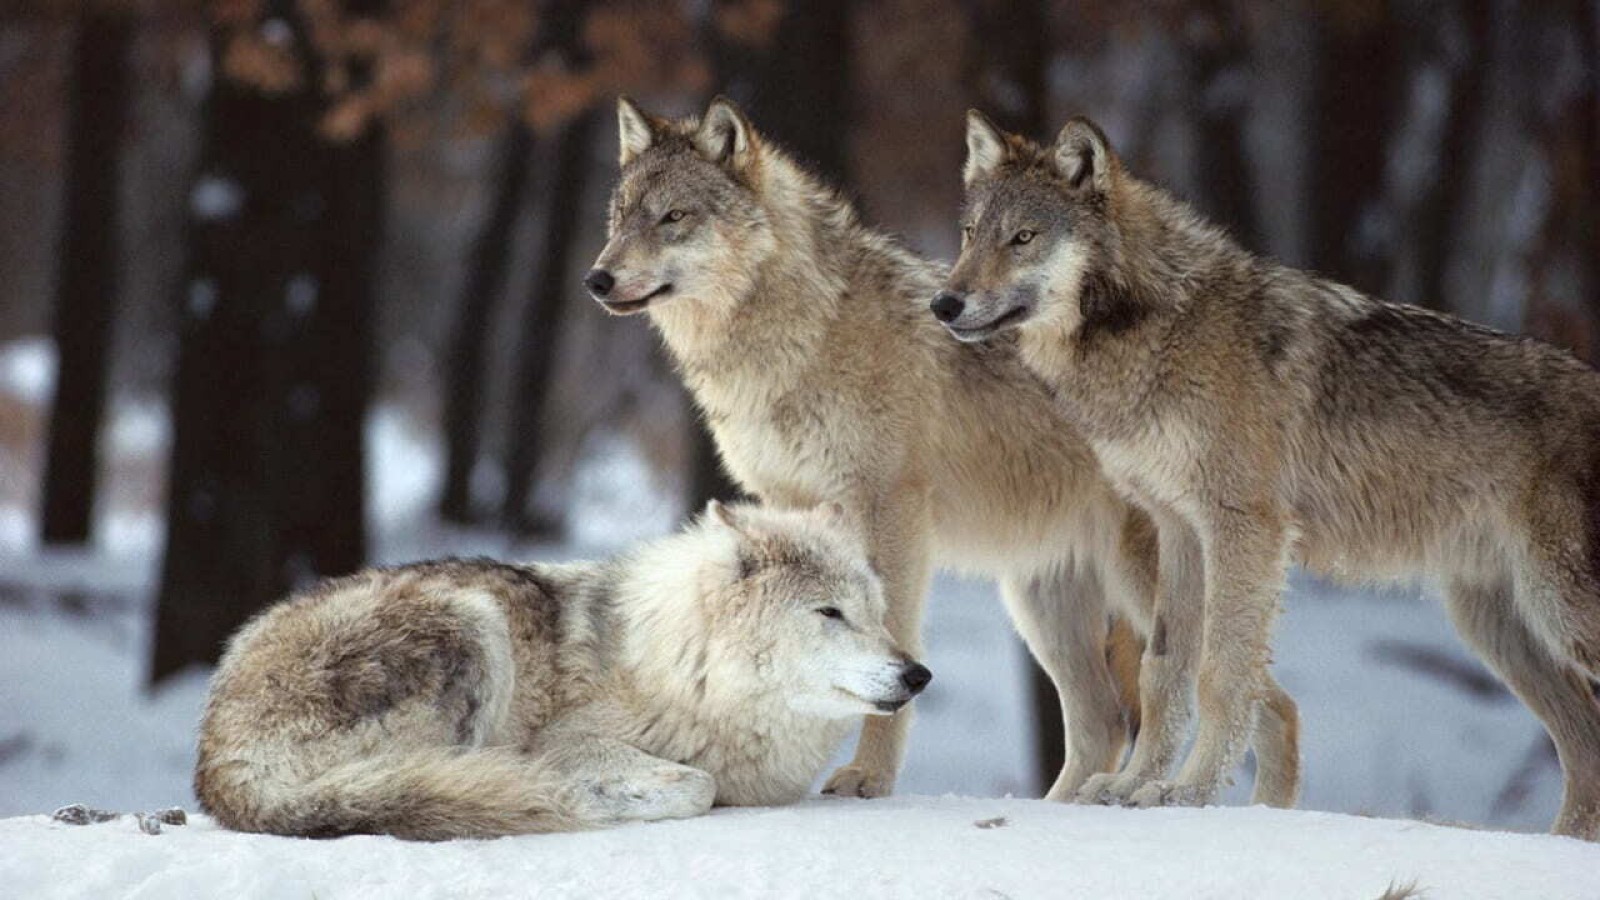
[
  {"x": 1062, "y": 617},
  {"x": 1558, "y": 693},
  {"x": 1277, "y": 747},
  {"x": 607, "y": 781}
]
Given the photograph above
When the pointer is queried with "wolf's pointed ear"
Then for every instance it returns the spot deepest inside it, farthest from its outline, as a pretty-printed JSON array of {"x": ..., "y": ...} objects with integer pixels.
[
  {"x": 986, "y": 148},
  {"x": 725, "y": 136},
  {"x": 634, "y": 131},
  {"x": 1083, "y": 156},
  {"x": 717, "y": 511}
]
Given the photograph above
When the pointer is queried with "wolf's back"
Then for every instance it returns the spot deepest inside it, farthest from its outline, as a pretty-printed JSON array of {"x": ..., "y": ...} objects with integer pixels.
[{"x": 423, "y": 794}]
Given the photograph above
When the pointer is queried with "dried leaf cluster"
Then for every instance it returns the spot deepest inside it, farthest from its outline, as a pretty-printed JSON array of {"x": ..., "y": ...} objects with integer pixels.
[{"x": 499, "y": 57}]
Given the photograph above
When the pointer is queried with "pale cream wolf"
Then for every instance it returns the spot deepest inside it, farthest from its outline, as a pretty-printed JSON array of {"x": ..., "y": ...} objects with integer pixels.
[
  {"x": 803, "y": 336},
  {"x": 1265, "y": 415},
  {"x": 467, "y": 698}
]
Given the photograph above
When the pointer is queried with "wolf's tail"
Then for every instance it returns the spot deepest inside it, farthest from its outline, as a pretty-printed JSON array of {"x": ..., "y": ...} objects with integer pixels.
[{"x": 422, "y": 794}]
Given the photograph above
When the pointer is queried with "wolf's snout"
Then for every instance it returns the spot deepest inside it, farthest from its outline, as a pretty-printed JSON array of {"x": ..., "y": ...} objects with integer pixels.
[
  {"x": 915, "y": 677},
  {"x": 947, "y": 307},
  {"x": 599, "y": 282}
]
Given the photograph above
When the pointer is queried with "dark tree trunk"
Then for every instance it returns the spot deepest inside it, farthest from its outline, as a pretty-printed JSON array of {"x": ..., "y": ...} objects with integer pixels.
[
  {"x": 1564, "y": 261},
  {"x": 567, "y": 162},
  {"x": 1008, "y": 65},
  {"x": 1358, "y": 79},
  {"x": 1221, "y": 59},
  {"x": 1008, "y": 68},
  {"x": 554, "y": 277},
  {"x": 87, "y": 280},
  {"x": 267, "y": 489},
  {"x": 486, "y": 279},
  {"x": 796, "y": 88},
  {"x": 1457, "y": 45}
]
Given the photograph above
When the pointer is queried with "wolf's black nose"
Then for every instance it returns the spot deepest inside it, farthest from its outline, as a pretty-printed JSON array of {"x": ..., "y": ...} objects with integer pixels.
[
  {"x": 915, "y": 677},
  {"x": 947, "y": 306},
  {"x": 599, "y": 282}
]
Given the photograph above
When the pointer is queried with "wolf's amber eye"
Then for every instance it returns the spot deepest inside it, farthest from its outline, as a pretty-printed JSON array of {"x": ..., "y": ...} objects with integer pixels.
[
  {"x": 673, "y": 215},
  {"x": 830, "y": 612},
  {"x": 1022, "y": 237}
]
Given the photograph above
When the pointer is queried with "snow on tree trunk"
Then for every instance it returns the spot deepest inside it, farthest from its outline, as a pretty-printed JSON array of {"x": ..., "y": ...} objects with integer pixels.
[{"x": 267, "y": 483}]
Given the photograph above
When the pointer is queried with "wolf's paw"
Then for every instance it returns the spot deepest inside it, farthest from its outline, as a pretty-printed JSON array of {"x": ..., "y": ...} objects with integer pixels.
[
  {"x": 1110, "y": 789},
  {"x": 1067, "y": 784},
  {"x": 1171, "y": 793},
  {"x": 858, "y": 781},
  {"x": 670, "y": 792}
]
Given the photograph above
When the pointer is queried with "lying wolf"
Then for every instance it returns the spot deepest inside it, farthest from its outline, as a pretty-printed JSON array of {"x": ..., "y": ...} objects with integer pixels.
[
  {"x": 804, "y": 336},
  {"x": 466, "y": 698},
  {"x": 1263, "y": 414}
]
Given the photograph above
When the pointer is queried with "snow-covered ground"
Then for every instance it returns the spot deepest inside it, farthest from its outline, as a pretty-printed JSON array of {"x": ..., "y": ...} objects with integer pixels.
[{"x": 912, "y": 847}]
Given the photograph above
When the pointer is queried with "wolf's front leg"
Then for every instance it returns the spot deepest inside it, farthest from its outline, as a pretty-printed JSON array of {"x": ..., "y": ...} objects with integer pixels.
[
  {"x": 1246, "y": 550},
  {"x": 1167, "y": 670},
  {"x": 897, "y": 529},
  {"x": 607, "y": 781}
]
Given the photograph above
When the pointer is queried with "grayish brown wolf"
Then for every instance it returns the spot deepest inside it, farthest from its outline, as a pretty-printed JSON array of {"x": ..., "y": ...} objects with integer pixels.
[
  {"x": 471, "y": 699},
  {"x": 1262, "y": 415},
  {"x": 802, "y": 334}
]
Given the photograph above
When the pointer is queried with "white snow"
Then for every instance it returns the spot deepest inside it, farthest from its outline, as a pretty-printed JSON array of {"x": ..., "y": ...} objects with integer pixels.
[
  {"x": 912, "y": 847},
  {"x": 216, "y": 197},
  {"x": 406, "y": 463},
  {"x": 301, "y": 295},
  {"x": 28, "y": 369},
  {"x": 141, "y": 427},
  {"x": 202, "y": 297},
  {"x": 616, "y": 498}
]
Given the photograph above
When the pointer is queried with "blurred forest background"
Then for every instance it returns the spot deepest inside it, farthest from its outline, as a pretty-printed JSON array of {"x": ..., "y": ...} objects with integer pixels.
[{"x": 293, "y": 285}]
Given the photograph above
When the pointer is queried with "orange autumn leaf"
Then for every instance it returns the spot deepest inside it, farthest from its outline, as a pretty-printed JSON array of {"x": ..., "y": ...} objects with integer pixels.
[{"x": 250, "y": 59}]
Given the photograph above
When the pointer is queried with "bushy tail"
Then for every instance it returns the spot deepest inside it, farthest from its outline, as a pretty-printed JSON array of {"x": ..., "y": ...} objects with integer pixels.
[{"x": 423, "y": 794}]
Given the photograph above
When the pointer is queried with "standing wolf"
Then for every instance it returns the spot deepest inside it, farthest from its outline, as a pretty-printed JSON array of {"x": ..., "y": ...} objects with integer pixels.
[
  {"x": 802, "y": 335},
  {"x": 1263, "y": 414},
  {"x": 472, "y": 699}
]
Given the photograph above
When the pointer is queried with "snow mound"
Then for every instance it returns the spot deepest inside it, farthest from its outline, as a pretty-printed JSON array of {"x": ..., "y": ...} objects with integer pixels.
[{"x": 914, "y": 847}]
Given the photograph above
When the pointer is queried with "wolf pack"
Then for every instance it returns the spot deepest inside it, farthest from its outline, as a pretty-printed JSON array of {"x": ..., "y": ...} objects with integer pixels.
[{"x": 1131, "y": 423}]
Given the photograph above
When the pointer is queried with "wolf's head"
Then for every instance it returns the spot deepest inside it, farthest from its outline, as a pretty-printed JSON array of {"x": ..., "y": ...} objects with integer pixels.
[
  {"x": 1037, "y": 224},
  {"x": 799, "y": 615},
  {"x": 685, "y": 219}
]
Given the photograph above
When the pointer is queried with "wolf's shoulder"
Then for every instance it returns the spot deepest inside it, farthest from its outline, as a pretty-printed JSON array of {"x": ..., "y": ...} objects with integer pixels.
[{"x": 881, "y": 264}]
